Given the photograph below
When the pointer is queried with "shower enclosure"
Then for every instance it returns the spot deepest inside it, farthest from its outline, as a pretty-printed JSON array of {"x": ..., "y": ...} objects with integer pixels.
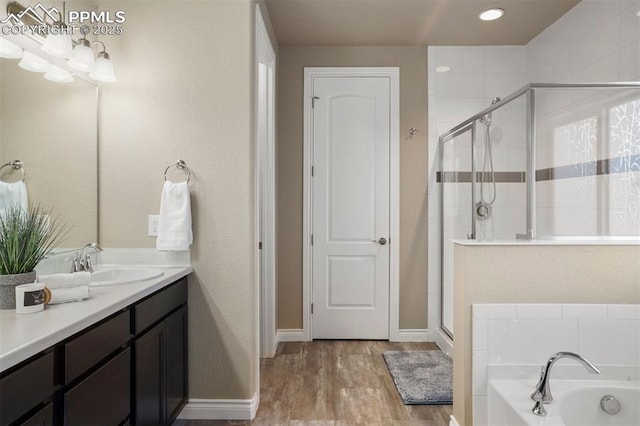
[{"x": 549, "y": 161}]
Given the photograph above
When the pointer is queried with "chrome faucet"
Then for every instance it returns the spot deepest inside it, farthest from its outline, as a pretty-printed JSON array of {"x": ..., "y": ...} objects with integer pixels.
[
  {"x": 83, "y": 262},
  {"x": 542, "y": 394}
]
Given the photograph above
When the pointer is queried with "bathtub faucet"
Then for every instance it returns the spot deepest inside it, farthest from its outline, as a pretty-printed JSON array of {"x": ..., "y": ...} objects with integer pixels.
[{"x": 542, "y": 394}]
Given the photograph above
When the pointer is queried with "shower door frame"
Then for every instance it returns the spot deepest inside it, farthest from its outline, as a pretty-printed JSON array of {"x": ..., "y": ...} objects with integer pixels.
[{"x": 529, "y": 91}]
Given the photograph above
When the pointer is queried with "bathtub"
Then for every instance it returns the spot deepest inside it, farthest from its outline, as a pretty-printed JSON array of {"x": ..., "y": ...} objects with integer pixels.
[{"x": 575, "y": 403}]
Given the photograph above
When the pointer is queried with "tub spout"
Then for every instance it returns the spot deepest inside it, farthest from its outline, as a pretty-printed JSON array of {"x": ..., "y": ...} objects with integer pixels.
[{"x": 542, "y": 393}]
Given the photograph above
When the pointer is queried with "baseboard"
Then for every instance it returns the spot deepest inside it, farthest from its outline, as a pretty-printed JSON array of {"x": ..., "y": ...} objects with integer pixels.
[
  {"x": 221, "y": 409},
  {"x": 411, "y": 335},
  {"x": 291, "y": 335},
  {"x": 444, "y": 342},
  {"x": 453, "y": 421}
]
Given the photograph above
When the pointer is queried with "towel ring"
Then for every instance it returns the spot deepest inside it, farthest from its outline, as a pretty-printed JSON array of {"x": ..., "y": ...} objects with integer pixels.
[
  {"x": 17, "y": 165},
  {"x": 180, "y": 165}
]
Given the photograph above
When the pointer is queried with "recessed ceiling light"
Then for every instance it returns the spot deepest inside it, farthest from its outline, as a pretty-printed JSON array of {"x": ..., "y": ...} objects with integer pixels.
[
  {"x": 442, "y": 69},
  {"x": 491, "y": 14}
]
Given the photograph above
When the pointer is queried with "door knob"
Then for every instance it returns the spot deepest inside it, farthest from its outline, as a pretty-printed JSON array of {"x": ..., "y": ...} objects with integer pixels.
[{"x": 381, "y": 241}]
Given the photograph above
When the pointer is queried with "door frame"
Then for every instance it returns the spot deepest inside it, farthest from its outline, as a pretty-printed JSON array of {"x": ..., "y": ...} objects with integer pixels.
[
  {"x": 393, "y": 74},
  {"x": 265, "y": 170}
]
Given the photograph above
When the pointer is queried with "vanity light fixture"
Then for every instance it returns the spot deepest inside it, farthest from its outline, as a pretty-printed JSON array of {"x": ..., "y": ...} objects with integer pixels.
[
  {"x": 58, "y": 75},
  {"x": 104, "y": 69},
  {"x": 100, "y": 68},
  {"x": 491, "y": 14},
  {"x": 58, "y": 44},
  {"x": 33, "y": 63},
  {"x": 9, "y": 50}
]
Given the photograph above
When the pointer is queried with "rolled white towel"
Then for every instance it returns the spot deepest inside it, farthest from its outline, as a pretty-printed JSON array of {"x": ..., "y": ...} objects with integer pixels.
[
  {"x": 65, "y": 280},
  {"x": 73, "y": 294}
]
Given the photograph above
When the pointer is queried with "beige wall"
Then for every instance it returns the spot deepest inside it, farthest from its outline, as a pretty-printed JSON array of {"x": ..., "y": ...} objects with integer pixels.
[
  {"x": 413, "y": 172},
  {"x": 185, "y": 90},
  {"x": 533, "y": 274}
]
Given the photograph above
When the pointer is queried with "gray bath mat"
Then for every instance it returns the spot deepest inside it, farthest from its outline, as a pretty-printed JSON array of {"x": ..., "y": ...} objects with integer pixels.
[{"x": 421, "y": 377}]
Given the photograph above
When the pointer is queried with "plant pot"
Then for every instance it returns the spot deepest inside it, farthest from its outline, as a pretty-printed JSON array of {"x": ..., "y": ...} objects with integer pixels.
[{"x": 8, "y": 285}]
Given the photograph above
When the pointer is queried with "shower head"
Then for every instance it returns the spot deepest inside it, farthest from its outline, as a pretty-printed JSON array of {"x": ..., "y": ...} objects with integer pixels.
[{"x": 495, "y": 100}]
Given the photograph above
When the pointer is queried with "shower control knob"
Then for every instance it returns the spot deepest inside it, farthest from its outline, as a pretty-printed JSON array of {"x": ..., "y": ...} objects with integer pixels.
[{"x": 381, "y": 241}]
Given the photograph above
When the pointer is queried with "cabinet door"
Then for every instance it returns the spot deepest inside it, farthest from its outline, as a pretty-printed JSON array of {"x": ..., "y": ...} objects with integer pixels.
[
  {"x": 149, "y": 393},
  {"x": 176, "y": 362},
  {"x": 43, "y": 417},
  {"x": 103, "y": 398}
]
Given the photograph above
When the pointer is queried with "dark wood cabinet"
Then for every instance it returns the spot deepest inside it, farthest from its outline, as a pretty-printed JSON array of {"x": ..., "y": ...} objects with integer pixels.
[
  {"x": 103, "y": 398},
  {"x": 160, "y": 357},
  {"x": 26, "y": 387},
  {"x": 43, "y": 417},
  {"x": 130, "y": 368}
]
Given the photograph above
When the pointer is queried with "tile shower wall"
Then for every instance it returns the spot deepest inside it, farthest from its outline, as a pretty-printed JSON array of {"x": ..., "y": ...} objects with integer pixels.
[
  {"x": 578, "y": 128},
  {"x": 476, "y": 75},
  {"x": 521, "y": 337}
]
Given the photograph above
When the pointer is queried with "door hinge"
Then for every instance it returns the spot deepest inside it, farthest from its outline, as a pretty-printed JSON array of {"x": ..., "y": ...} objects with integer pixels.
[
  {"x": 260, "y": 245},
  {"x": 312, "y": 308},
  {"x": 311, "y": 239},
  {"x": 311, "y": 171},
  {"x": 313, "y": 101}
]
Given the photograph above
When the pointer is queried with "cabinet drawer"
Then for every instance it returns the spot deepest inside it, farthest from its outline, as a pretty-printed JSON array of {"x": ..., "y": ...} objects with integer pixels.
[
  {"x": 103, "y": 397},
  {"x": 88, "y": 349},
  {"x": 155, "y": 307},
  {"x": 25, "y": 388}
]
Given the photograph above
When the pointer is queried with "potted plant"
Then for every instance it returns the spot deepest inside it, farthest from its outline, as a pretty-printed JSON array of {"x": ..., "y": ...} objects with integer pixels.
[{"x": 25, "y": 239}]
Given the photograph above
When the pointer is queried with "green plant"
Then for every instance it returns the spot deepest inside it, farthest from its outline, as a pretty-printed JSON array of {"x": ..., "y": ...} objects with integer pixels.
[{"x": 26, "y": 238}]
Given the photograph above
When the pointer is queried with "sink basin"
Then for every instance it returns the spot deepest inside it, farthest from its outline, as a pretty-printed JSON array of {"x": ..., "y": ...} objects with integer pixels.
[{"x": 123, "y": 275}]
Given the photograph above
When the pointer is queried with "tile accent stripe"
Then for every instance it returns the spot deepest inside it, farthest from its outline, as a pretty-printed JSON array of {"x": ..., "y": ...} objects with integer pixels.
[
  {"x": 465, "y": 177},
  {"x": 607, "y": 166}
]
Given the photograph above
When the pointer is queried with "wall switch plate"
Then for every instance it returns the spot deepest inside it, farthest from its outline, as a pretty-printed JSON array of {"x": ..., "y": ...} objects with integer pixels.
[{"x": 153, "y": 225}]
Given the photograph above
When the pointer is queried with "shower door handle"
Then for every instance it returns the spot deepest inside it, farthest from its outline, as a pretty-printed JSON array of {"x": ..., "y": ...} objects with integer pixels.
[{"x": 381, "y": 241}]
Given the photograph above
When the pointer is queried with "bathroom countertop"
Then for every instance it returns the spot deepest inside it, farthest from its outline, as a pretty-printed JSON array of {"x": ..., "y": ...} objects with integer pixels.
[{"x": 22, "y": 336}]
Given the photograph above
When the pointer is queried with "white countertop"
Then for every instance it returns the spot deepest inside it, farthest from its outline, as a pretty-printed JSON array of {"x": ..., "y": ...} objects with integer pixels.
[{"x": 22, "y": 336}]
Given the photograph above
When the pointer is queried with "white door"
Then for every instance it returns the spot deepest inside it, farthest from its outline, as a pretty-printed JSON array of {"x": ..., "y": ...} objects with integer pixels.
[{"x": 350, "y": 248}]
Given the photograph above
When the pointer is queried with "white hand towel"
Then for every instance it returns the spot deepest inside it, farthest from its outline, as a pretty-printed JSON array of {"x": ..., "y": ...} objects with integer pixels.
[
  {"x": 13, "y": 195},
  {"x": 174, "y": 224},
  {"x": 65, "y": 280},
  {"x": 74, "y": 294}
]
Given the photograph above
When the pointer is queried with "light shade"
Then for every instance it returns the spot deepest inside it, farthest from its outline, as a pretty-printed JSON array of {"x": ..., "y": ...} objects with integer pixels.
[
  {"x": 491, "y": 14},
  {"x": 103, "y": 70},
  {"x": 58, "y": 43},
  {"x": 9, "y": 50},
  {"x": 58, "y": 75},
  {"x": 31, "y": 62},
  {"x": 83, "y": 58}
]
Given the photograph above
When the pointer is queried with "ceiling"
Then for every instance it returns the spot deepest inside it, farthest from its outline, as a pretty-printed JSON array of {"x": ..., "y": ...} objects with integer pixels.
[{"x": 410, "y": 22}]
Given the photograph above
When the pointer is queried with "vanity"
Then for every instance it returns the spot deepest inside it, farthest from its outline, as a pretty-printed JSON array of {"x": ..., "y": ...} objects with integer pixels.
[{"x": 118, "y": 358}]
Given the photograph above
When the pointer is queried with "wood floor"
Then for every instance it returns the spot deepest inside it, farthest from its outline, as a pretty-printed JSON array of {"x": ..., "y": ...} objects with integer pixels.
[{"x": 334, "y": 383}]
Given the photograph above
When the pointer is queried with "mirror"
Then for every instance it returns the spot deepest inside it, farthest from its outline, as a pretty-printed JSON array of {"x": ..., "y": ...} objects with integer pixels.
[{"x": 53, "y": 129}]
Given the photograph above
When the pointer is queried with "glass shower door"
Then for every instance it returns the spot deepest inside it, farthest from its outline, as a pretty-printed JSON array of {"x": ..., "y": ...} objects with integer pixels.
[{"x": 455, "y": 176}]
